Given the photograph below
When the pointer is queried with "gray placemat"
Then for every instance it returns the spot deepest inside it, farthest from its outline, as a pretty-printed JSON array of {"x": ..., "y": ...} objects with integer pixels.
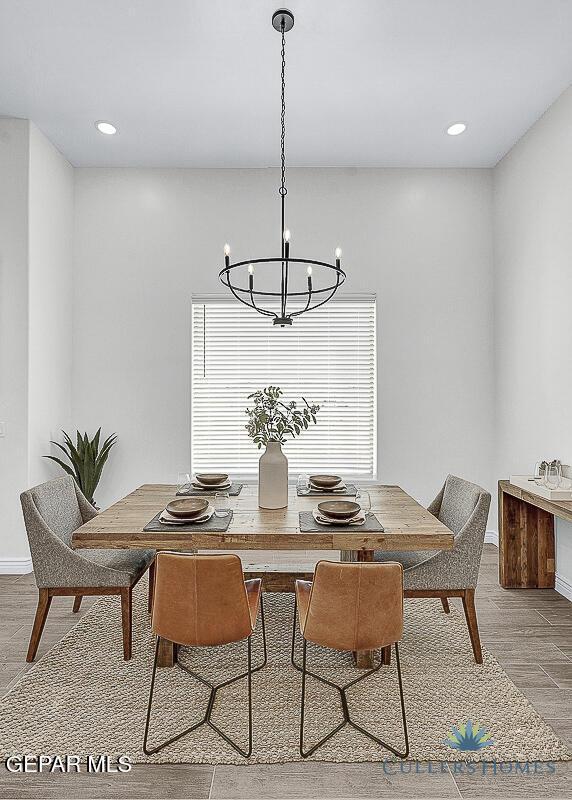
[
  {"x": 309, "y": 525},
  {"x": 215, "y": 524},
  {"x": 350, "y": 491},
  {"x": 234, "y": 491}
]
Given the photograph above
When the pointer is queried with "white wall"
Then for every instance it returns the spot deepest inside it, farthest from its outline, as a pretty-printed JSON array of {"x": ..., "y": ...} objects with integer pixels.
[
  {"x": 146, "y": 239},
  {"x": 36, "y": 225},
  {"x": 50, "y": 302},
  {"x": 533, "y": 291},
  {"x": 14, "y": 141}
]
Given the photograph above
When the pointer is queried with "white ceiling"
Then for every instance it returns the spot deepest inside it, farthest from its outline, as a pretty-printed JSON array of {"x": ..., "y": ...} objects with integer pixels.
[{"x": 370, "y": 82}]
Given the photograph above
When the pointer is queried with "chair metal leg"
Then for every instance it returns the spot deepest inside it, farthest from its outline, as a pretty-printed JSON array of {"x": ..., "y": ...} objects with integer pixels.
[
  {"x": 207, "y": 720},
  {"x": 376, "y": 739},
  {"x": 294, "y": 633},
  {"x": 265, "y": 654},
  {"x": 214, "y": 689},
  {"x": 347, "y": 720}
]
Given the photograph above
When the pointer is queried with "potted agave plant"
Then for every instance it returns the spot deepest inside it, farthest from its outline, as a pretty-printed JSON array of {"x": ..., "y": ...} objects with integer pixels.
[
  {"x": 86, "y": 458},
  {"x": 270, "y": 423}
]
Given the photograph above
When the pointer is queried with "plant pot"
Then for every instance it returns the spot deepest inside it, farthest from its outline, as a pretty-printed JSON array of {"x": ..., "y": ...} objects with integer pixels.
[{"x": 273, "y": 477}]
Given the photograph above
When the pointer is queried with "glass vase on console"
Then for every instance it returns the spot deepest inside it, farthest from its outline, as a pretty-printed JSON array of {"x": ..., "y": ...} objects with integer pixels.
[
  {"x": 554, "y": 475},
  {"x": 540, "y": 471}
]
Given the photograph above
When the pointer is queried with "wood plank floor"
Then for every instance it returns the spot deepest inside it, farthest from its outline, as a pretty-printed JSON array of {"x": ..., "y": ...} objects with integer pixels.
[{"x": 529, "y": 631}]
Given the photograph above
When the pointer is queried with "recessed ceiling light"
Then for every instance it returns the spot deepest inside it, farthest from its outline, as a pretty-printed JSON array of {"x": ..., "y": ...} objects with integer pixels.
[
  {"x": 106, "y": 127},
  {"x": 456, "y": 128}
]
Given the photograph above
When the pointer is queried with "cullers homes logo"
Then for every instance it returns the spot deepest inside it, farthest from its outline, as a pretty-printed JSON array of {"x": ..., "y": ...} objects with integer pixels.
[{"x": 468, "y": 738}]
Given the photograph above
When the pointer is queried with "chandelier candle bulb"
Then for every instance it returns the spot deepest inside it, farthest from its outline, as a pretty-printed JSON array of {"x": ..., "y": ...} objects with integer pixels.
[
  {"x": 227, "y": 255},
  {"x": 286, "y": 244},
  {"x": 250, "y": 277},
  {"x": 338, "y": 255}
]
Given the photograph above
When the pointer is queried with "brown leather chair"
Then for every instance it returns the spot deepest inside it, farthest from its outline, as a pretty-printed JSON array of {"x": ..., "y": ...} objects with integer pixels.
[
  {"x": 204, "y": 601},
  {"x": 350, "y": 606}
]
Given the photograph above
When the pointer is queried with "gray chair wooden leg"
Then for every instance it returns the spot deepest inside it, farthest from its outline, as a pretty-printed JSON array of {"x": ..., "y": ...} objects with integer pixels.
[
  {"x": 126, "y": 619},
  {"x": 44, "y": 603},
  {"x": 471, "y": 617},
  {"x": 77, "y": 603}
]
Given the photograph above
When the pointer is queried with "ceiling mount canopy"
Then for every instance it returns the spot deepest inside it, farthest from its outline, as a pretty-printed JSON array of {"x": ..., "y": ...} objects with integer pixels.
[
  {"x": 284, "y": 287},
  {"x": 283, "y": 19}
]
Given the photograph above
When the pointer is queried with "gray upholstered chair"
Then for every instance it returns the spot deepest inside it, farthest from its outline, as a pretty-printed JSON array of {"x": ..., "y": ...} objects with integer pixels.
[
  {"x": 52, "y": 512},
  {"x": 464, "y": 508}
]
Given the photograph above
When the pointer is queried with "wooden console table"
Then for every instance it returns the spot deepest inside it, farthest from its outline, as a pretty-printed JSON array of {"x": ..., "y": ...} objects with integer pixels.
[{"x": 526, "y": 537}]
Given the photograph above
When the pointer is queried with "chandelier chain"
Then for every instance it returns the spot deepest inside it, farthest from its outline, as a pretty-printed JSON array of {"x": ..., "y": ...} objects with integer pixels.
[{"x": 283, "y": 190}]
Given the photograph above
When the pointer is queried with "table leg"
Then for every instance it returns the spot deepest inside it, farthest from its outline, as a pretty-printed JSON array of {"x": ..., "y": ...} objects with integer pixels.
[
  {"x": 167, "y": 653},
  {"x": 364, "y": 659}
]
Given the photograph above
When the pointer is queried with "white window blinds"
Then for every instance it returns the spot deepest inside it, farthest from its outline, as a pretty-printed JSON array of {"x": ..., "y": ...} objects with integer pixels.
[{"x": 327, "y": 356}]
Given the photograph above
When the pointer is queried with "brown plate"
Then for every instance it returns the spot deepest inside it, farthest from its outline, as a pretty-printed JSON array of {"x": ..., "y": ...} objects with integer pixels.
[
  {"x": 339, "y": 509},
  {"x": 325, "y": 481},
  {"x": 211, "y": 478},
  {"x": 187, "y": 509}
]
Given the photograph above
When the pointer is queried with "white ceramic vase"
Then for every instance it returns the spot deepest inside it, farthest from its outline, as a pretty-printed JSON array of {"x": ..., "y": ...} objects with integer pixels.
[{"x": 273, "y": 477}]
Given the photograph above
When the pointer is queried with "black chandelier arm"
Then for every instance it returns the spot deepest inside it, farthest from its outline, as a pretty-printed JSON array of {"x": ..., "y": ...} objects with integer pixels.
[
  {"x": 310, "y": 293},
  {"x": 317, "y": 305},
  {"x": 244, "y": 302},
  {"x": 253, "y": 305}
]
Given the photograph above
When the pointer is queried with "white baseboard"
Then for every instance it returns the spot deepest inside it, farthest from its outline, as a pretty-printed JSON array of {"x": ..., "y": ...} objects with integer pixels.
[
  {"x": 492, "y": 537},
  {"x": 563, "y": 586},
  {"x": 15, "y": 566}
]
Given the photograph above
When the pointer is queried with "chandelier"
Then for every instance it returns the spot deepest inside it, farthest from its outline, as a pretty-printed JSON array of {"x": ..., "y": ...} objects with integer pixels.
[{"x": 304, "y": 284}]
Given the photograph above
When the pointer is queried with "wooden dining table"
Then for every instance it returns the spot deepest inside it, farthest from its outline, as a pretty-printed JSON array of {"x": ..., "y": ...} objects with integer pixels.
[{"x": 270, "y": 542}]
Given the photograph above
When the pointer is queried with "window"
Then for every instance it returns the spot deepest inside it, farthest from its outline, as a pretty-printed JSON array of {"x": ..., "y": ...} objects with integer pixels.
[{"x": 327, "y": 356}]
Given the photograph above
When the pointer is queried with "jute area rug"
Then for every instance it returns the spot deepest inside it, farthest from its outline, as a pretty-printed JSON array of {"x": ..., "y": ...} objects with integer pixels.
[{"x": 81, "y": 698}]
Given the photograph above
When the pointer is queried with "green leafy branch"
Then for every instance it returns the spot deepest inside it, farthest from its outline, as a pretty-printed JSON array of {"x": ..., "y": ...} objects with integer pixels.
[{"x": 272, "y": 420}]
